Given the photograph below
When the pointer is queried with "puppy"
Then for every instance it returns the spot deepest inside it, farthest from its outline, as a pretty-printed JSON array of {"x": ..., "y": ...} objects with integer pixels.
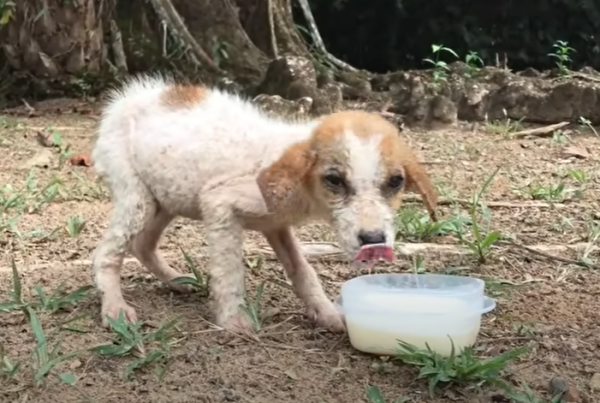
[{"x": 166, "y": 149}]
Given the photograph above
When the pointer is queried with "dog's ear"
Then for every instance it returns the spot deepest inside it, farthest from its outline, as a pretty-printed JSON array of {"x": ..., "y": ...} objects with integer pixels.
[
  {"x": 282, "y": 183},
  {"x": 418, "y": 181}
]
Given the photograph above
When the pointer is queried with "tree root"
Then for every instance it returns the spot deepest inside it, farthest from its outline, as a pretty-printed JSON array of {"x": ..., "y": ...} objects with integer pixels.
[
  {"x": 318, "y": 41},
  {"x": 172, "y": 20}
]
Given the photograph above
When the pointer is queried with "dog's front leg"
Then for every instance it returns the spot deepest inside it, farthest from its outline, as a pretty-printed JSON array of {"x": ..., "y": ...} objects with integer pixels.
[
  {"x": 304, "y": 280},
  {"x": 225, "y": 237}
]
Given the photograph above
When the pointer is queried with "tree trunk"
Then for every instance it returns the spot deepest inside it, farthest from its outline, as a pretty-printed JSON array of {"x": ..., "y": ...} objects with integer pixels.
[{"x": 52, "y": 38}]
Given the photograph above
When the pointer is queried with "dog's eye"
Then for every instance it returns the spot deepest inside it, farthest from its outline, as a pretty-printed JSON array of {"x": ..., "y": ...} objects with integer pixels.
[
  {"x": 333, "y": 180},
  {"x": 396, "y": 181}
]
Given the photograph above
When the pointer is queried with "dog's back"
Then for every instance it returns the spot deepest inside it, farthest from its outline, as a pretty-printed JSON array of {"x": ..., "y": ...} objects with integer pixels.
[{"x": 181, "y": 140}]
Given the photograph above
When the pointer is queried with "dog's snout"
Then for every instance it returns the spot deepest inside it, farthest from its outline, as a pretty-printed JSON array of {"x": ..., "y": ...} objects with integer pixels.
[{"x": 371, "y": 237}]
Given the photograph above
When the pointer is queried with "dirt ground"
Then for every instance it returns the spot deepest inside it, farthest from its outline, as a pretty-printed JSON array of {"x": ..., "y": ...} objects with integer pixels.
[{"x": 549, "y": 305}]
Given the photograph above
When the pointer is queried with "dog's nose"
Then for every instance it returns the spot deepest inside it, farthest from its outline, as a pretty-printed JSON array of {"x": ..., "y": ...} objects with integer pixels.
[{"x": 371, "y": 237}]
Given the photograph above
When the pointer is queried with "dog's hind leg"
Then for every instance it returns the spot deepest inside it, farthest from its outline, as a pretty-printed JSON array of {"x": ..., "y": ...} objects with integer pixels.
[
  {"x": 145, "y": 245},
  {"x": 304, "y": 279}
]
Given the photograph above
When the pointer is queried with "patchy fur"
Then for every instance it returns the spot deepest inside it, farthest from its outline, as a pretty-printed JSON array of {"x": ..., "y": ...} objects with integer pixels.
[{"x": 166, "y": 150}]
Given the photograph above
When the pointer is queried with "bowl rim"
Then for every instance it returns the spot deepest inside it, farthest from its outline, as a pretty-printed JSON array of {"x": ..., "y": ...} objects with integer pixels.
[
  {"x": 476, "y": 286},
  {"x": 489, "y": 304}
]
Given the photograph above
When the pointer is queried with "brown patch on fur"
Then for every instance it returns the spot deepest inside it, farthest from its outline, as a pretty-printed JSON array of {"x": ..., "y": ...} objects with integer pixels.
[
  {"x": 397, "y": 157},
  {"x": 183, "y": 96},
  {"x": 282, "y": 184}
]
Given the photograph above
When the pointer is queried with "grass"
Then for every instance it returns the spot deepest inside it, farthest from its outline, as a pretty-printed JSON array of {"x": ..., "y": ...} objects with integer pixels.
[
  {"x": 463, "y": 369},
  {"x": 199, "y": 282},
  {"x": 149, "y": 348},
  {"x": 56, "y": 301},
  {"x": 253, "y": 308}
]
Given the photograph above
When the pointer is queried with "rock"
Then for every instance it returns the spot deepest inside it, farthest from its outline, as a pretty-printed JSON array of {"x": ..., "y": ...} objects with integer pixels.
[
  {"x": 442, "y": 111},
  {"x": 595, "y": 382},
  {"x": 559, "y": 386},
  {"x": 276, "y": 106},
  {"x": 293, "y": 78},
  {"x": 495, "y": 94},
  {"x": 42, "y": 159},
  {"x": 286, "y": 70}
]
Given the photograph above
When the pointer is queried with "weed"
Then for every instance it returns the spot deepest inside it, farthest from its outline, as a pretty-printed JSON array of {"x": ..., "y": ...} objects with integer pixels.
[
  {"x": 414, "y": 225},
  {"x": 16, "y": 294},
  {"x": 59, "y": 300},
  {"x": 440, "y": 68},
  {"x": 456, "y": 369},
  {"x": 556, "y": 193},
  {"x": 505, "y": 127},
  {"x": 75, "y": 226},
  {"x": 64, "y": 150},
  {"x": 561, "y": 53},
  {"x": 45, "y": 360},
  {"x": 374, "y": 395},
  {"x": 588, "y": 124},
  {"x": 131, "y": 341},
  {"x": 253, "y": 310},
  {"x": 529, "y": 396},
  {"x": 30, "y": 198},
  {"x": 482, "y": 239},
  {"x": 8, "y": 367},
  {"x": 474, "y": 62},
  {"x": 52, "y": 303},
  {"x": 559, "y": 138},
  {"x": 198, "y": 282}
]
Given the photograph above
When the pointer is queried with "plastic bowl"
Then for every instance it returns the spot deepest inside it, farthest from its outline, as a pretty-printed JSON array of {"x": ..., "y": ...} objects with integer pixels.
[{"x": 420, "y": 309}]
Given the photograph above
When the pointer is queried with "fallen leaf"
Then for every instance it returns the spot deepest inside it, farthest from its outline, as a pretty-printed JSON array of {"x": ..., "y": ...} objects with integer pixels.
[
  {"x": 291, "y": 374},
  {"x": 81, "y": 160},
  {"x": 573, "y": 151}
]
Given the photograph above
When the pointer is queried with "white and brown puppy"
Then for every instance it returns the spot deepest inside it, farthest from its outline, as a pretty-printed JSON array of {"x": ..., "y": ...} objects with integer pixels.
[{"x": 167, "y": 150}]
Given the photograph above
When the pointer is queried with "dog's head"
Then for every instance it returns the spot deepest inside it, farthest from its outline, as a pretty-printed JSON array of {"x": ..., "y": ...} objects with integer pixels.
[{"x": 352, "y": 172}]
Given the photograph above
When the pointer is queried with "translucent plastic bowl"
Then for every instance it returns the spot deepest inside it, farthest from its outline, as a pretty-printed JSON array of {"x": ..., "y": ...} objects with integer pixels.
[{"x": 381, "y": 309}]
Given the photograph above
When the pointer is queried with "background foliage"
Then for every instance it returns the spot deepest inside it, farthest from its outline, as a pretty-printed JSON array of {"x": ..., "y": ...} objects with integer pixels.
[{"x": 394, "y": 34}]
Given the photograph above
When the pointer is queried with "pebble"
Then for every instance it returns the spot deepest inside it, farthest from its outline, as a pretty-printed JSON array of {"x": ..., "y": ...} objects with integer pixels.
[{"x": 570, "y": 393}]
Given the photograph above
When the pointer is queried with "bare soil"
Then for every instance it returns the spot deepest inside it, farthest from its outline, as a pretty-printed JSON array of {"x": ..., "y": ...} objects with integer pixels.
[{"x": 549, "y": 305}]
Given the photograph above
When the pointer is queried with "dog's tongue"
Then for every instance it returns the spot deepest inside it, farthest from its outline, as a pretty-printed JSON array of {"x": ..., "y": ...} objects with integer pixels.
[{"x": 368, "y": 255}]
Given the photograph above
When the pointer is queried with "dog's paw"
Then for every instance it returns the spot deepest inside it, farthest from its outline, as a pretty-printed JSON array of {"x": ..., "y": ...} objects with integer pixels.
[
  {"x": 325, "y": 315},
  {"x": 112, "y": 310},
  {"x": 177, "y": 287},
  {"x": 238, "y": 323}
]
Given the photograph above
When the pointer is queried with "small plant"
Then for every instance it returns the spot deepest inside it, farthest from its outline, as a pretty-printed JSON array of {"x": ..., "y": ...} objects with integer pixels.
[
  {"x": 440, "y": 68},
  {"x": 16, "y": 294},
  {"x": 46, "y": 360},
  {"x": 482, "y": 239},
  {"x": 414, "y": 225},
  {"x": 588, "y": 125},
  {"x": 8, "y": 368},
  {"x": 559, "y": 138},
  {"x": 561, "y": 53},
  {"x": 456, "y": 369},
  {"x": 198, "y": 281},
  {"x": 64, "y": 150},
  {"x": 59, "y": 300},
  {"x": 253, "y": 310},
  {"x": 555, "y": 193},
  {"x": 529, "y": 396},
  {"x": 374, "y": 395},
  {"x": 75, "y": 226},
  {"x": 52, "y": 303},
  {"x": 474, "y": 62},
  {"x": 505, "y": 127},
  {"x": 131, "y": 341}
]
